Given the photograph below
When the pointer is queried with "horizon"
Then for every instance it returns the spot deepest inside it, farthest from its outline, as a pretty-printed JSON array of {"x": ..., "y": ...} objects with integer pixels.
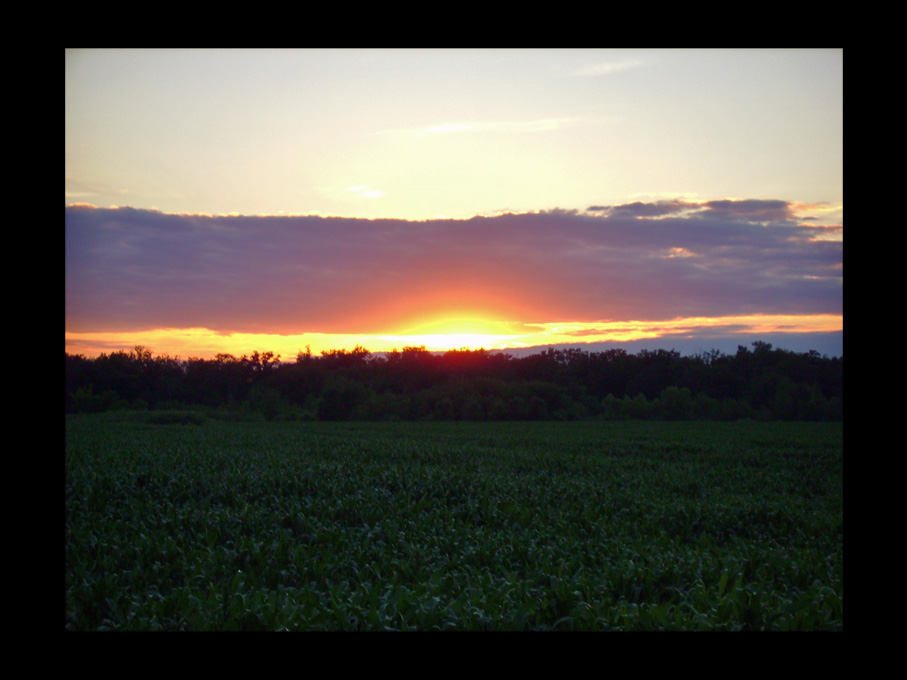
[
  {"x": 230, "y": 201},
  {"x": 830, "y": 345}
]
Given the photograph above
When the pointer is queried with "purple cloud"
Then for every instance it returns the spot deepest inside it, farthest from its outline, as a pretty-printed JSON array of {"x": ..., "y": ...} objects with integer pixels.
[
  {"x": 129, "y": 269},
  {"x": 638, "y": 209},
  {"x": 773, "y": 211}
]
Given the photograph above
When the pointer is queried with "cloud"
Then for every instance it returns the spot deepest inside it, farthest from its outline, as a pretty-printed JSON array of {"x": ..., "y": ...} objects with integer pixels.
[
  {"x": 751, "y": 209},
  {"x": 129, "y": 269},
  {"x": 365, "y": 191},
  {"x": 502, "y": 126},
  {"x": 448, "y": 127},
  {"x": 607, "y": 68},
  {"x": 640, "y": 209}
]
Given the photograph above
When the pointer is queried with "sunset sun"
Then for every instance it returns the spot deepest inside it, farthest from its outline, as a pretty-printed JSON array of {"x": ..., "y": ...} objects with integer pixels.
[{"x": 448, "y": 333}]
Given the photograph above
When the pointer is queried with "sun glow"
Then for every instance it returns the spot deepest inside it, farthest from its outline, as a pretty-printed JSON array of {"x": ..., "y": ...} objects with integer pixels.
[
  {"x": 441, "y": 335},
  {"x": 456, "y": 333}
]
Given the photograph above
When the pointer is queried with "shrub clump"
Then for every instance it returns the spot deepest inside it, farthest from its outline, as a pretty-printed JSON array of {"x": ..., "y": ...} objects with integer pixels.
[{"x": 174, "y": 418}]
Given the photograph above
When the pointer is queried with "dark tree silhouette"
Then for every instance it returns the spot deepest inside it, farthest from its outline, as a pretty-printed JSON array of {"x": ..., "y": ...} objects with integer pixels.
[{"x": 759, "y": 382}]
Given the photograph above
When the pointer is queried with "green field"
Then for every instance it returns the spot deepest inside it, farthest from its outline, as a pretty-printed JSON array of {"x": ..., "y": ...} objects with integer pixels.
[{"x": 453, "y": 526}]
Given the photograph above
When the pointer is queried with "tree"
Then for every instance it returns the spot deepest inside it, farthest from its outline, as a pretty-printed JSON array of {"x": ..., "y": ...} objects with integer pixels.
[
  {"x": 637, "y": 408},
  {"x": 763, "y": 382},
  {"x": 266, "y": 400},
  {"x": 340, "y": 398},
  {"x": 676, "y": 403}
]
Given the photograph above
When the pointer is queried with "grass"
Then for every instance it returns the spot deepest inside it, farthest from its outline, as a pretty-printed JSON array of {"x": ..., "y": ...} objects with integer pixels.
[{"x": 453, "y": 526}]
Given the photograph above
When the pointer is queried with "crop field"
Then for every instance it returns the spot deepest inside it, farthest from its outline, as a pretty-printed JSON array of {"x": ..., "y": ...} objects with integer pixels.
[{"x": 577, "y": 526}]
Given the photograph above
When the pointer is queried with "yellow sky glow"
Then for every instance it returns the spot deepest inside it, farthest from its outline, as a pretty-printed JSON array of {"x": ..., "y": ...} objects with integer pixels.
[{"x": 437, "y": 335}]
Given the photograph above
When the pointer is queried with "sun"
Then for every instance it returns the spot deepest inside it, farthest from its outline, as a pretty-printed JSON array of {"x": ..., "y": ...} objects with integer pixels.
[{"x": 456, "y": 332}]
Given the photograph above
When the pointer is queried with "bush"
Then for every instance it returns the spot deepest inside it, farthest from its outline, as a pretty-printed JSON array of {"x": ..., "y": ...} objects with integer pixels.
[
  {"x": 267, "y": 401},
  {"x": 341, "y": 398},
  {"x": 174, "y": 418},
  {"x": 637, "y": 408},
  {"x": 85, "y": 401},
  {"x": 676, "y": 403}
]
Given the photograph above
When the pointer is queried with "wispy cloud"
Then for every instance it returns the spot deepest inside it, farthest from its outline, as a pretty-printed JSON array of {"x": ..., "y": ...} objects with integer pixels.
[
  {"x": 507, "y": 127},
  {"x": 448, "y": 127},
  {"x": 365, "y": 191},
  {"x": 750, "y": 210},
  {"x": 608, "y": 67}
]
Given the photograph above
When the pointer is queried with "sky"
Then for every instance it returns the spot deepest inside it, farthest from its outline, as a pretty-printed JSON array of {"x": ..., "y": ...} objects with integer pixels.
[{"x": 277, "y": 200}]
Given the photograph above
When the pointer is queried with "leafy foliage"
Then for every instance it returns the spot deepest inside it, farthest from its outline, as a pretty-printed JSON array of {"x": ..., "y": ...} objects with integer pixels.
[{"x": 414, "y": 384}]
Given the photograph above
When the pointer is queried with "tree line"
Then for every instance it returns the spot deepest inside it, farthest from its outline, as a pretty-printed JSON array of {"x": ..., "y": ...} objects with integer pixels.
[{"x": 758, "y": 382}]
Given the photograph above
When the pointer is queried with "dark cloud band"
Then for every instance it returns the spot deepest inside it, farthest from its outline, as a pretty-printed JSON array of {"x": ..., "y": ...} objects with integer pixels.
[{"x": 128, "y": 269}]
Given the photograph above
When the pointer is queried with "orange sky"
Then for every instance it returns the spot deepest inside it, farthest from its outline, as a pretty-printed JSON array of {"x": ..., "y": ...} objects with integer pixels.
[{"x": 204, "y": 343}]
